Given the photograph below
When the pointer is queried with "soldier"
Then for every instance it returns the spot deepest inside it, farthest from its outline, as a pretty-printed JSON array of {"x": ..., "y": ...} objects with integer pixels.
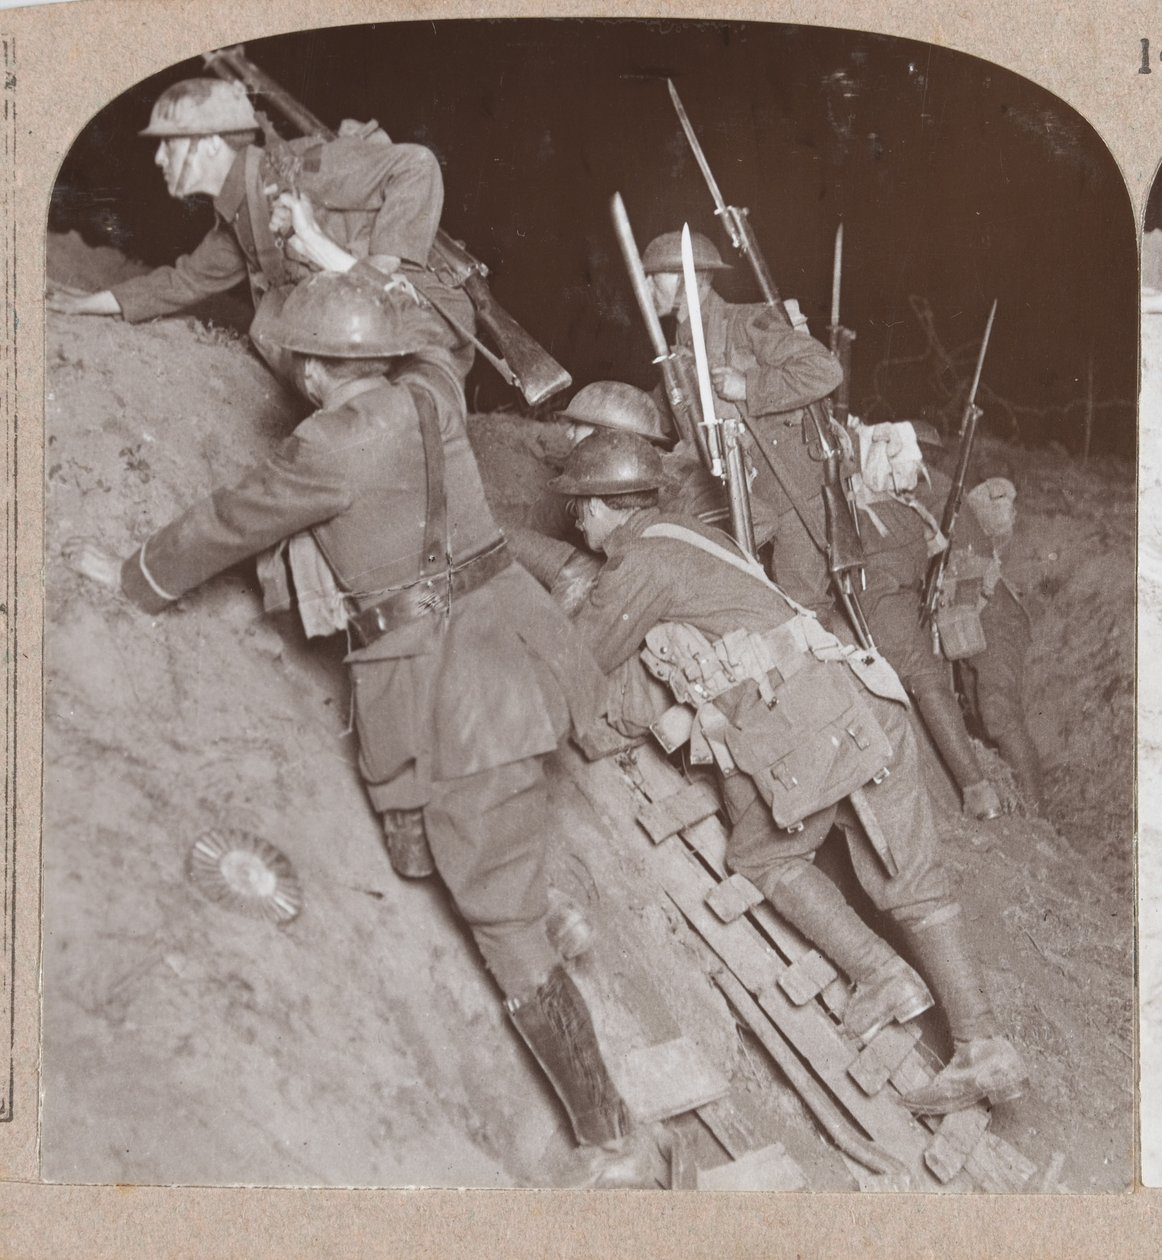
[
  {"x": 993, "y": 679},
  {"x": 464, "y": 673},
  {"x": 899, "y": 534},
  {"x": 358, "y": 202},
  {"x": 541, "y": 534},
  {"x": 766, "y": 372},
  {"x": 797, "y": 725}
]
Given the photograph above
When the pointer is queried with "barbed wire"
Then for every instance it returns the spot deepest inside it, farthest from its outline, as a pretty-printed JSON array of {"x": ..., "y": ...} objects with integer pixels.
[{"x": 946, "y": 377}]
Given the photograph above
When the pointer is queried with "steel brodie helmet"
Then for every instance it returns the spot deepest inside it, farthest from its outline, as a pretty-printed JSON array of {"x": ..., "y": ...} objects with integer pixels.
[
  {"x": 201, "y": 107},
  {"x": 611, "y": 462},
  {"x": 615, "y": 405},
  {"x": 344, "y": 317},
  {"x": 664, "y": 253}
]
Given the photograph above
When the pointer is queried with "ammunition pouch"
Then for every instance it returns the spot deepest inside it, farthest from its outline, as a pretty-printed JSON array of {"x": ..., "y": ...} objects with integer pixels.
[
  {"x": 777, "y": 706},
  {"x": 961, "y": 631},
  {"x": 957, "y": 617}
]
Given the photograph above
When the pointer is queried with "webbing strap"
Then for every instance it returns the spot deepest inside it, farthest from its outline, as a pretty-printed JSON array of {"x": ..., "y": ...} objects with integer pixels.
[
  {"x": 665, "y": 529},
  {"x": 270, "y": 257},
  {"x": 435, "y": 553}
]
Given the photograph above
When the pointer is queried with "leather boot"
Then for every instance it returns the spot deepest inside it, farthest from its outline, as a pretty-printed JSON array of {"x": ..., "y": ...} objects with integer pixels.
[
  {"x": 984, "y": 1065},
  {"x": 555, "y": 1024},
  {"x": 1020, "y": 753},
  {"x": 886, "y": 988},
  {"x": 987, "y": 1069},
  {"x": 407, "y": 843},
  {"x": 893, "y": 992},
  {"x": 945, "y": 724},
  {"x": 811, "y": 902}
]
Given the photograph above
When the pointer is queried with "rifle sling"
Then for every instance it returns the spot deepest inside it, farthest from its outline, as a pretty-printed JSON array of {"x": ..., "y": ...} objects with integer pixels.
[{"x": 796, "y": 499}]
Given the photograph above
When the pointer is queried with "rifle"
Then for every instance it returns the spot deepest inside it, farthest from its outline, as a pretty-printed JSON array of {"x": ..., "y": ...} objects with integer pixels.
[
  {"x": 843, "y": 546},
  {"x": 722, "y": 436},
  {"x": 522, "y": 362},
  {"x": 938, "y": 565}
]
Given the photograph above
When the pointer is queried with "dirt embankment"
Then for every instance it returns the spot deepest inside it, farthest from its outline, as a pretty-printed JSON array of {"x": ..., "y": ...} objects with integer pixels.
[{"x": 363, "y": 1043}]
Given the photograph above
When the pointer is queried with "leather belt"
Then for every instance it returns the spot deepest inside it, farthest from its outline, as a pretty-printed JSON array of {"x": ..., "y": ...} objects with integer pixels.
[{"x": 429, "y": 595}]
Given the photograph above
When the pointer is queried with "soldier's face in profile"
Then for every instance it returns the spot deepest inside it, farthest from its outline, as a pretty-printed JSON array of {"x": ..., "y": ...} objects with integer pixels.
[
  {"x": 664, "y": 288},
  {"x": 183, "y": 161}
]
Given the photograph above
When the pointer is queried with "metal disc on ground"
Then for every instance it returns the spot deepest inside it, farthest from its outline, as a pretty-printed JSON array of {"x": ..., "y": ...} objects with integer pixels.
[{"x": 242, "y": 872}]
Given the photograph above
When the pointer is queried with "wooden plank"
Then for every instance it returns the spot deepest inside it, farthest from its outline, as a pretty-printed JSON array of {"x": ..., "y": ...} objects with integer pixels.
[
  {"x": 770, "y": 1168},
  {"x": 881, "y": 1056},
  {"x": 911, "y": 1073},
  {"x": 807, "y": 977},
  {"x": 732, "y": 898},
  {"x": 683, "y": 1165},
  {"x": 733, "y": 1128},
  {"x": 955, "y": 1140},
  {"x": 664, "y": 1080},
  {"x": 670, "y": 814},
  {"x": 997, "y": 1167},
  {"x": 655, "y": 777},
  {"x": 758, "y": 968},
  {"x": 601, "y": 782}
]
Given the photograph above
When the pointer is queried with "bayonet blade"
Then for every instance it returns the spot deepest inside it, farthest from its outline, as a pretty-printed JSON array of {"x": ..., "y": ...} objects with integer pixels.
[
  {"x": 984, "y": 345},
  {"x": 637, "y": 276},
  {"x": 698, "y": 340},
  {"x": 836, "y": 279},
  {"x": 700, "y": 158}
]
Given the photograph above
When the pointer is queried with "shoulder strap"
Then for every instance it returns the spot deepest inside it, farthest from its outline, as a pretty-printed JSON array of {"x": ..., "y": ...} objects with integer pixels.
[
  {"x": 270, "y": 257},
  {"x": 666, "y": 529},
  {"x": 435, "y": 553}
]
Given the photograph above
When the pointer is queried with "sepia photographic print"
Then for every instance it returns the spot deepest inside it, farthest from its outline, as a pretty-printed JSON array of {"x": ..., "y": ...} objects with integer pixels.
[{"x": 589, "y": 618}]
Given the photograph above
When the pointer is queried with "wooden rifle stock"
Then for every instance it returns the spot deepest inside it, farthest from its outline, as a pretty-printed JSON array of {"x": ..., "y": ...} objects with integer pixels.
[
  {"x": 938, "y": 565},
  {"x": 537, "y": 374}
]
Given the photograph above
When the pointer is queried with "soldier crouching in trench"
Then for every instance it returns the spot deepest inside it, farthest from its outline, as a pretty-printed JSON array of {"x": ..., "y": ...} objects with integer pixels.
[
  {"x": 465, "y": 674},
  {"x": 801, "y": 730},
  {"x": 377, "y": 205}
]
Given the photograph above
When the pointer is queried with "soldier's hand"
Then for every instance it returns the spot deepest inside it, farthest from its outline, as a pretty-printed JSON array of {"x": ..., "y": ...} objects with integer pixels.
[
  {"x": 573, "y": 583},
  {"x": 93, "y": 562},
  {"x": 308, "y": 241},
  {"x": 729, "y": 383},
  {"x": 67, "y": 299}
]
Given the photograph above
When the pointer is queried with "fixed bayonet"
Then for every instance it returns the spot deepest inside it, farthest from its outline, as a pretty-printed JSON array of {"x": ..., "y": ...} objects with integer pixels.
[
  {"x": 938, "y": 565},
  {"x": 722, "y": 436},
  {"x": 840, "y": 338},
  {"x": 843, "y": 546},
  {"x": 734, "y": 218},
  {"x": 674, "y": 367}
]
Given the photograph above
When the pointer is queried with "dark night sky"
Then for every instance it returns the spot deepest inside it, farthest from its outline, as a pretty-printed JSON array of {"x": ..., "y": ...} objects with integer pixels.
[{"x": 955, "y": 180}]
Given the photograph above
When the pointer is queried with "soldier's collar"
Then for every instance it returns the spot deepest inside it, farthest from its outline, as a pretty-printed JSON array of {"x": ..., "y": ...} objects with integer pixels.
[
  {"x": 229, "y": 201},
  {"x": 626, "y": 533}
]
